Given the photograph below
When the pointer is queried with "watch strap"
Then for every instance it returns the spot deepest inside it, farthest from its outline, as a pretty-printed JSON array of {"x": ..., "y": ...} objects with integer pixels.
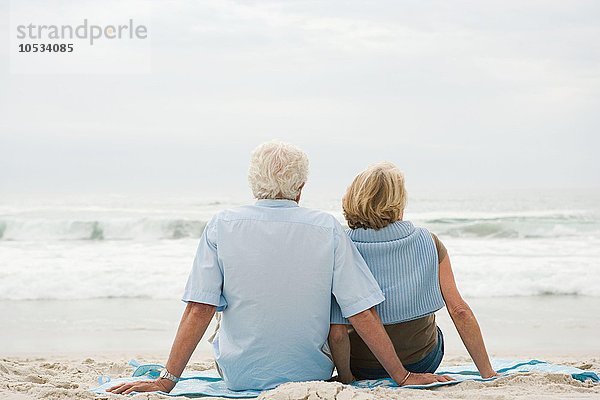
[{"x": 167, "y": 375}]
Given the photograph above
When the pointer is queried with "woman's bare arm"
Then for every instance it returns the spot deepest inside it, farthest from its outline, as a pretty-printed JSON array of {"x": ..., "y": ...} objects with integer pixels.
[
  {"x": 464, "y": 320},
  {"x": 339, "y": 344}
]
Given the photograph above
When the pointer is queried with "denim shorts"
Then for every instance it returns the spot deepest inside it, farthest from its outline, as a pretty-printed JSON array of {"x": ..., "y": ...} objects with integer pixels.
[{"x": 428, "y": 364}]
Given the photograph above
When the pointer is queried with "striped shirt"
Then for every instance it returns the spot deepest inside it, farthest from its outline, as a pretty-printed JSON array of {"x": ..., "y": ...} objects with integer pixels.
[{"x": 404, "y": 261}]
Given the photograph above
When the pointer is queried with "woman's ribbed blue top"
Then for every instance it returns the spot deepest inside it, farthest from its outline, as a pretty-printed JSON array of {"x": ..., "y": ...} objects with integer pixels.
[{"x": 404, "y": 261}]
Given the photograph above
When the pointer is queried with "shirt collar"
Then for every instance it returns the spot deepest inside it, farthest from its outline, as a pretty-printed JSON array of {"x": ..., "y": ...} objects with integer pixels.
[
  {"x": 276, "y": 203},
  {"x": 394, "y": 231}
]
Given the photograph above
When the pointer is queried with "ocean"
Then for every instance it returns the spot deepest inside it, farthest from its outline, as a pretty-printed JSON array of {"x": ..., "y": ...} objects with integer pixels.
[{"x": 118, "y": 246}]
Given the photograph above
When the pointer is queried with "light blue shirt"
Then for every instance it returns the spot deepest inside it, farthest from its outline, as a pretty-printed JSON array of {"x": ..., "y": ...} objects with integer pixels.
[{"x": 272, "y": 269}]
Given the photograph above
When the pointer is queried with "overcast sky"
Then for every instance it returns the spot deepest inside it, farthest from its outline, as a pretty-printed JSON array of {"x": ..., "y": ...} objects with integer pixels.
[{"x": 459, "y": 94}]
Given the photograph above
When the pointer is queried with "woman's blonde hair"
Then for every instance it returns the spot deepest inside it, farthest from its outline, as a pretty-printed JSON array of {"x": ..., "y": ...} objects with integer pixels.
[{"x": 376, "y": 197}]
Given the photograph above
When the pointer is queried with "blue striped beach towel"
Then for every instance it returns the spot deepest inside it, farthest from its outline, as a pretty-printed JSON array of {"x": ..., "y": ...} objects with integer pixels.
[{"x": 209, "y": 383}]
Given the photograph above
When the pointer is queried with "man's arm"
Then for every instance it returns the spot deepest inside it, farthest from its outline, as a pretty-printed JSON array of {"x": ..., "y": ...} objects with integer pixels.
[
  {"x": 339, "y": 344},
  {"x": 369, "y": 327},
  {"x": 194, "y": 322}
]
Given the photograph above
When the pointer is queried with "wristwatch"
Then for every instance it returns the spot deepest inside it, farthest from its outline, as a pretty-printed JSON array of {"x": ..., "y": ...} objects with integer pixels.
[{"x": 167, "y": 375}]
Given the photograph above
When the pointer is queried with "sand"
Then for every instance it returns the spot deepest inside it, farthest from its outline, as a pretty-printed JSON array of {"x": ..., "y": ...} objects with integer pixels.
[
  {"x": 57, "y": 350},
  {"x": 33, "y": 378}
]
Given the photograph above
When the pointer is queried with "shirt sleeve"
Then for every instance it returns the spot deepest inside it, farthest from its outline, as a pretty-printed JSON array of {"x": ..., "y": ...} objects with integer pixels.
[
  {"x": 354, "y": 287},
  {"x": 336, "y": 313},
  {"x": 205, "y": 282}
]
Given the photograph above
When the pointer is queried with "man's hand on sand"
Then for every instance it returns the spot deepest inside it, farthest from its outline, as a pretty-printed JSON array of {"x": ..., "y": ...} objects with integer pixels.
[
  {"x": 159, "y": 385},
  {"x": 425, "y": 379}
]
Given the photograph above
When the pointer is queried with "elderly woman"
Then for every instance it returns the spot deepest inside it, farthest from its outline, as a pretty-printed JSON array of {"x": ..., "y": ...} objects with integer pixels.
[{"x": 413, "y": 269}]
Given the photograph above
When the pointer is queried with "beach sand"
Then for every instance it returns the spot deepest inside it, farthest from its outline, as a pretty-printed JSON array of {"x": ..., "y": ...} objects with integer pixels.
[
  {"x": 26, "y": 378},
  {"x": 57, "y": 349}
]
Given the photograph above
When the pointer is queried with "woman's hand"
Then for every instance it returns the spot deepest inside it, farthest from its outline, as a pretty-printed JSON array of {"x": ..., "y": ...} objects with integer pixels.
[
  {"x": 343, "y": 379},
  {"x": 488, "y": 375},
  {"x": 348, "y": 379},
  {"x": 425, "y": 379},
  {"x": 159, "y": 385}
]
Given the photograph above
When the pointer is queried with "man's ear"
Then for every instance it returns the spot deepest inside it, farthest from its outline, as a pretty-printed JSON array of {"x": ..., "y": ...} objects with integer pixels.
[{"x": 299, "y": 193}]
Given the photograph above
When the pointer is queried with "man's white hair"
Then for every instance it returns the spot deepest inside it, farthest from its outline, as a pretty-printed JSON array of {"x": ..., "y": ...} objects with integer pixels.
[{"x": 277, "y": 171}]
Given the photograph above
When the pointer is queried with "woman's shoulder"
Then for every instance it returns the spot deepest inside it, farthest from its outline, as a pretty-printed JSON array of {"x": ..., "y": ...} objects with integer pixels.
[
  {"x": 424, "y": 232},
  {"x": 439, "y": 246},
  {"x": 441, "y": 250}
]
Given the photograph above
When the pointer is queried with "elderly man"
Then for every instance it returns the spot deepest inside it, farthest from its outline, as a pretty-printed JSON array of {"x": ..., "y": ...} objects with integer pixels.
[{"x": 271, "y": 269}]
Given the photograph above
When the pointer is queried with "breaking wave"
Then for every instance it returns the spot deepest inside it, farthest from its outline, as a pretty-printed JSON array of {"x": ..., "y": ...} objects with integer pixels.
[
  {"x": 114, "y": 229},
  {"x": 523, "y": 227}
]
